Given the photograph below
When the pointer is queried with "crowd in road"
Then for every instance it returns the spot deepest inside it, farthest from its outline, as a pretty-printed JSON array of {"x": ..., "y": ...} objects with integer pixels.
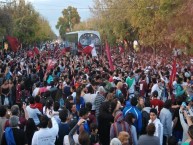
[{"x": 79, "y": 100}]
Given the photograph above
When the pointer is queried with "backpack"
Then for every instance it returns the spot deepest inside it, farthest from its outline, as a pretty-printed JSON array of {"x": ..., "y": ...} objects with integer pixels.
[{"x": 124, "y": 129}]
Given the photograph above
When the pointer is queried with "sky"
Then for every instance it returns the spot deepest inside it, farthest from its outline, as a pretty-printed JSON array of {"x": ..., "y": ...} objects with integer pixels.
[{"x": 52, "y": 9}]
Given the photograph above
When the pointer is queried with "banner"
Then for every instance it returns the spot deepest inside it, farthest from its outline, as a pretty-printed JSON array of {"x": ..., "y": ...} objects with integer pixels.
[
  {"x": 88, "y": 49},
  {"x": 51, "y": 64},
  {"x": 121, "y": 49},
  {"x": 109, "y": 56},
  {"x": 36, "y": 51},
  {"x": 14, "y": 43},
  {"x": 173, "y": 74},
  {"x": 30, "y": 54}
]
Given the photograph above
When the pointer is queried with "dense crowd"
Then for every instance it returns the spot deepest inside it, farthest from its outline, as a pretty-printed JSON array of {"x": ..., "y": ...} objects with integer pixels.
[{"x": 79, "y": 100}]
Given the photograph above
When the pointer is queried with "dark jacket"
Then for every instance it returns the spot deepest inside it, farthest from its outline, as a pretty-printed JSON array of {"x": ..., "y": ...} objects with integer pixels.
[{"x": 105, "y": 119}]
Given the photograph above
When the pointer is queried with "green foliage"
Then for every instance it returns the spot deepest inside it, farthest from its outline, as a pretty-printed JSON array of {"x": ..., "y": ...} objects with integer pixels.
[
  {"x": 21, "y": 20},
  {"x": 68, "y": 20},
  {"x": 155, "y": 23}
]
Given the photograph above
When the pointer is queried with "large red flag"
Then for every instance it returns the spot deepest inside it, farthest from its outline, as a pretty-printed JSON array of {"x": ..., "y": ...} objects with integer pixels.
[
  {"x": 87, "y": 49},
  {"x": 121, "y": 49},
  {"x": 13, "y": 42},
  {"x": 36, "y": 51},
  {"x": 173, "y": 74},
  {"x": 62, "y": 52},
  {"x": 109, "y": 56},
  {"x": 51, "y": 64},
  {"x": 30, "y": 53},
  {"x": 79, "y": 46}
]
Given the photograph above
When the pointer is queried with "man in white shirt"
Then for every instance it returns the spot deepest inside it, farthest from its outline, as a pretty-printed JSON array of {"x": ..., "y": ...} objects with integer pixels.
[
  {"x": 46, "y": 136},
  {"x": 33, "y": 111},
  {"x": 157, "y": 123}
]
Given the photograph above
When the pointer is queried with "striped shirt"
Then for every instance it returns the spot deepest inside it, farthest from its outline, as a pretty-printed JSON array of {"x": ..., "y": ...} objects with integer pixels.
[{"x": 97, "y": 102}]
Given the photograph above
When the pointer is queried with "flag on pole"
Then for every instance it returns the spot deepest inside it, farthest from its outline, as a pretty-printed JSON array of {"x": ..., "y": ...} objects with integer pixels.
[
  {"x": 30, "y": 53},
  {"x": 121, "y": 49},
  {"x": 62, "y": 52},
  {"x": 173, "y": 74},
  {"x": 93, "y": 52},
  {"x": 36, "y": 51},
  {"x": 87, "y": 49},
  {"x": 14, "y": 43},
  {"x": 79, "y": 46},
  {"x": 51, "y": 64},
  {"x": 109, "y": 56}
]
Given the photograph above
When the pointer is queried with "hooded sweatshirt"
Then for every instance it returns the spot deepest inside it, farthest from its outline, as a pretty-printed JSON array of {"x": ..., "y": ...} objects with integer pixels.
[{"x": 118, "y": 125}]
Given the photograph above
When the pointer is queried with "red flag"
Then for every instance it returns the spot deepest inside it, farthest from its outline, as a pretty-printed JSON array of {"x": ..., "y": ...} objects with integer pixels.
[
  {"x": 121, "y": 49},
  {"x": 173, "y": 74},
  {"x": 67, "y": 49},
  {"x": 87, "y": 49},
  {"x": 109, "y": 56},
  {"x": 79, "y": 46},
  {"x": 62, "y": 52},
  {"x": 51, "y": 64},
  {"x": 13, "y": 42},
  {"x": 30, "y": 53},
  {"x": 36, "y": 51},
  {"x": 56, "y": 48}
]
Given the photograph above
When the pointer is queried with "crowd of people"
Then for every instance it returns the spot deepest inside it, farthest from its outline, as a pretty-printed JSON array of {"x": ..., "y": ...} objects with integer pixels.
[{"x": 80, "y": 101}]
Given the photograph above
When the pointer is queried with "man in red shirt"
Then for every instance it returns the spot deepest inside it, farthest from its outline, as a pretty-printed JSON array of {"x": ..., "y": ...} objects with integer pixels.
[
  {"x": 156, "y": 103},
  {"x": 38, "y": 105},
  {"x": 143, "y": 86}
]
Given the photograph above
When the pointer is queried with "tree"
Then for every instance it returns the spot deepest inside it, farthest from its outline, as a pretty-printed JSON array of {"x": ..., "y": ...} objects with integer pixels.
[
  {"x": 66, "y": 22},
  {"x": 6, "y": 23},
  {"x": 21, "y": 20}
]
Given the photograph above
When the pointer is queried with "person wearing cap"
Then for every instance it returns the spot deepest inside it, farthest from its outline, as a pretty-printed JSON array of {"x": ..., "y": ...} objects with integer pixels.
[
  {"x": 157, "y": 123},
  {"x": 14, "y": 135}
]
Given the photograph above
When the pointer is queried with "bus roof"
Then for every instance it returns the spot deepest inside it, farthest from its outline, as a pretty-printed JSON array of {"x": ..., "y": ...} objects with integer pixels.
[{"x": 84, "y": 31}]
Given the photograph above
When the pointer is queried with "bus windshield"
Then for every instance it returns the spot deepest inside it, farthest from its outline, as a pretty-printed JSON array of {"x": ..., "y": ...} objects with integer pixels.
[{"x": 89, "y": 38}]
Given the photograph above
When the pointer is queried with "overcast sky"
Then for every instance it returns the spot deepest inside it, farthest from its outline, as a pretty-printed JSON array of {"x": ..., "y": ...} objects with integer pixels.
[{"x": 51, "y": 9}]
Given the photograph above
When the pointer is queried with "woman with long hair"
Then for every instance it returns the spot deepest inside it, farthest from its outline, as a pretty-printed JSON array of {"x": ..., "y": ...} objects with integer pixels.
[
  {"x": 30, "y": 130},
  {"x": 79, "y": 100},
  {"x": 5, "y": 93}
]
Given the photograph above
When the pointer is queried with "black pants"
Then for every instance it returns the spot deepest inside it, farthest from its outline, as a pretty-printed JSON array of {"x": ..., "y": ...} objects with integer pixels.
[{"x": 165, "y": 138}]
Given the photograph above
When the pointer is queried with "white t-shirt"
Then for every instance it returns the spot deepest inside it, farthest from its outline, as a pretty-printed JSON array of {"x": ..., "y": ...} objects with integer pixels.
[
  {"x": 46, "y": 136},
  {"x": 90, "y": 98},
  {"x": 66, "y": 139},
  {"x": 33, "y": 114},
  {"x": 155, "y": 88},
  {"x": 132, "y": 88},
  {"x": 35, "y": 92},
  {"x": 73, "y": 95}
]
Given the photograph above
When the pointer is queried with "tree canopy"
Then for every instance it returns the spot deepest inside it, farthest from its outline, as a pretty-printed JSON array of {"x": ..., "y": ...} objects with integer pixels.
[
  {"x": 21, "y": 20},
  {"x": 154, "y": 23},
  {"x": 66, "y": 22}
]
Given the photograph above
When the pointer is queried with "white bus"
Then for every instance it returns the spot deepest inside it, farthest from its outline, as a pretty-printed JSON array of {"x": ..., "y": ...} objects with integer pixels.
[{"x": 85, "y": 38}]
